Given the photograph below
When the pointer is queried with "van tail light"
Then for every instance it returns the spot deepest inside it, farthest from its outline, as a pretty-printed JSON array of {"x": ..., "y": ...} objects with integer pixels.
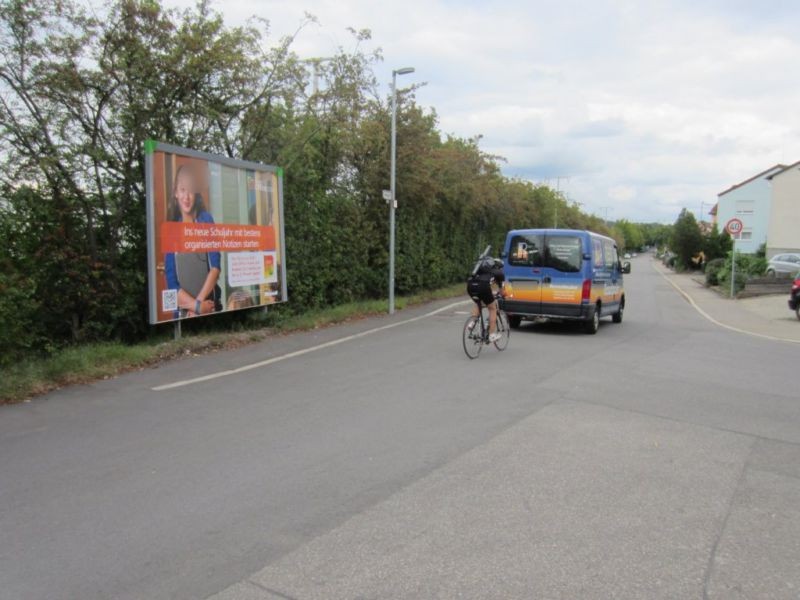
[{"x": 586, "y": 290}]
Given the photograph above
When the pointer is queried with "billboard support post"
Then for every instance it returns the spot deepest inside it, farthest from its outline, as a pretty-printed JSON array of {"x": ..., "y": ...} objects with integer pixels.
[{"x": 176, "y": 334}]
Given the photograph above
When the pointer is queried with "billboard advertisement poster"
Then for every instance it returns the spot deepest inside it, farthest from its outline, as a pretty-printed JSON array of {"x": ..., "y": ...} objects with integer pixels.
[{"x": 215, "y": 239}]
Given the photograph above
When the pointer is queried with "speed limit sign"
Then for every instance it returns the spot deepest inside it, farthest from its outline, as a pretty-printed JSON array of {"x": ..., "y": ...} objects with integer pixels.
[{"x": 734, "y": 227}]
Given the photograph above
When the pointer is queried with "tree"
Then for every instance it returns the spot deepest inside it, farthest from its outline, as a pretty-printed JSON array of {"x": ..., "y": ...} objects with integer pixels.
[
  {"x": 716, "y": 244},
  {"x": 686, "y": 240},
  {"x": 79, "y": 94},
  {"x": 632, "y": 234}
]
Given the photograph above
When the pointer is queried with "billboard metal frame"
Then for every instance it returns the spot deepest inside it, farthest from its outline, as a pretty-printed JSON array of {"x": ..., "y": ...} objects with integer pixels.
[{"x": 153, "y": 146}]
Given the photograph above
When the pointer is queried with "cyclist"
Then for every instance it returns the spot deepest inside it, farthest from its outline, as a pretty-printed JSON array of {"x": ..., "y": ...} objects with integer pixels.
[{"x": 479, "y": 287}]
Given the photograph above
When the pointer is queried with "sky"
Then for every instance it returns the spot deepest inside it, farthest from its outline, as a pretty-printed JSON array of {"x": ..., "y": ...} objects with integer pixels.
[{"x": 633, "y": 109}]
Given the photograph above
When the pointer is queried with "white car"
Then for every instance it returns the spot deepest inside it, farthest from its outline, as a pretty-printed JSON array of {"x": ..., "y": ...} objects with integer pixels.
[
  {"x": 783, "y": 264},
  {"x": 627, "y": 255}
]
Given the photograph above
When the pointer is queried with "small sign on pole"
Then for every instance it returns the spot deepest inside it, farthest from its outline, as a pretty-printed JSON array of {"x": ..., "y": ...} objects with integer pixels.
[
  {"x": 734, "y": 228},
  {"x": 387, "y": 195}
]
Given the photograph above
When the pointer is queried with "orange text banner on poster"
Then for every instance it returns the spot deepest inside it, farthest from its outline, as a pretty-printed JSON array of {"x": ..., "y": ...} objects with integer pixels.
[{"x": 215, "y": 237}]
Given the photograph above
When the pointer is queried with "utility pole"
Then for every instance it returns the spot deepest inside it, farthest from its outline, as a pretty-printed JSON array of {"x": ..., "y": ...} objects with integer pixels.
[
  {"x": 558, "y": 197},
  {"x": 315, "y": 64}
]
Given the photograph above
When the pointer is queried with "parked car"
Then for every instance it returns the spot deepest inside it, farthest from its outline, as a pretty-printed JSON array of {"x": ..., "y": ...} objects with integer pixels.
[
  {"x": 794, "y": 296},
  {"x": 783, "y": 264},
  {"x": 627, "y": 255}
]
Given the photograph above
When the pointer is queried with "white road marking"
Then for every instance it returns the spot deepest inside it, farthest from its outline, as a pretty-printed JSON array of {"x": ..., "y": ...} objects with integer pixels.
[
  {"x": 296, "y": 353},
  {"x": 713, "y": 320}
]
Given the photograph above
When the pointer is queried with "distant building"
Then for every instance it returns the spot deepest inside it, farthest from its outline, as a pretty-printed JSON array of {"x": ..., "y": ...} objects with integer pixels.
[
  {"x": 784, "y": 224},
  {"x": 750, "y": 201},
  {"x": 713, "y": 213}
]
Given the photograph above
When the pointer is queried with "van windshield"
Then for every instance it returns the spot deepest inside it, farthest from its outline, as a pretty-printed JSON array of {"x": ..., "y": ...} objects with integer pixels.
[{"x": 563, "y": 253}]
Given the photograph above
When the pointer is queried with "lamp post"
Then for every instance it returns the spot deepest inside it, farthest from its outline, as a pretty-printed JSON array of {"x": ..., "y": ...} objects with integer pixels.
[
  {"x": 606, "y": 209},
  {"x": 393, "y": 201}
]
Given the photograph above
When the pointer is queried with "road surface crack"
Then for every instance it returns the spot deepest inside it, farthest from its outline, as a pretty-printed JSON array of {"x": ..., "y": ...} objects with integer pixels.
[{"x": 731, "y": 501}]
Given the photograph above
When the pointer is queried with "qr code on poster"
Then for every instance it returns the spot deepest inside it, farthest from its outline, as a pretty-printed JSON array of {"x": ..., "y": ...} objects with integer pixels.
[{"x": 169, "y": 300}]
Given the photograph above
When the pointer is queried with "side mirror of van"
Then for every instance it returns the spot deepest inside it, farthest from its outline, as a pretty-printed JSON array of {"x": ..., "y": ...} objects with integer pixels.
[
  {"x": 626, "y": 267},
  {"x": 503, "y": 255}
]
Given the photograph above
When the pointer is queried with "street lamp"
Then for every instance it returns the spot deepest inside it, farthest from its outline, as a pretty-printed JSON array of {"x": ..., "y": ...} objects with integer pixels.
[
  {"x": 393, "y": 200},
  {"x": 606, "y": 209}
]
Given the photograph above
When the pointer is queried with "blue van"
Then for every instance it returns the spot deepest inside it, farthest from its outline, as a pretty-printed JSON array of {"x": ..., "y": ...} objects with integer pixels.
[{"x": 562, "y": 274}]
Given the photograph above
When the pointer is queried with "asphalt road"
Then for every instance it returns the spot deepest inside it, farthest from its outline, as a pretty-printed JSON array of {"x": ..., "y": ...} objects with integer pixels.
[{"x": 659, "y": 458}]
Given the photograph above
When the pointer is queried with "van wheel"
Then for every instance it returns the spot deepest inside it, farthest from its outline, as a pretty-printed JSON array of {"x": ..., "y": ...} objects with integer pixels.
[
  {"x": 514, "y": 321},
  {"x": 617, "y": 316},
  {"x": 593, "y": 324}
]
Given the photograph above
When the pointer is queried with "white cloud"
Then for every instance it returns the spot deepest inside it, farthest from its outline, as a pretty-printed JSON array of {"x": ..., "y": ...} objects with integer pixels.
[{"x": 645, "y": 107}]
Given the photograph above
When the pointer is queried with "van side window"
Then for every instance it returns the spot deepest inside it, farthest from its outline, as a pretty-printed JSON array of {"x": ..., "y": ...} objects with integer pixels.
[
  {"x": 525, "y": 251},
  {"x": 610, "y": 255},
  {"x": 597, "y": 245},
  {"x": 564, "y": 253}
]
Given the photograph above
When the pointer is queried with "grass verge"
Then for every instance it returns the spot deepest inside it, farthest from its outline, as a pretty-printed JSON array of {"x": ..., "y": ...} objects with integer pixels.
[{"x": 91, "y": 362}]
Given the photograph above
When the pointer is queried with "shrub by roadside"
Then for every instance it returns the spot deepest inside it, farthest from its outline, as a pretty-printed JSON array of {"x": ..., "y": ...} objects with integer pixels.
[
  {"x": 712, "y": 269},
  {"x": 747, "y": 266}
]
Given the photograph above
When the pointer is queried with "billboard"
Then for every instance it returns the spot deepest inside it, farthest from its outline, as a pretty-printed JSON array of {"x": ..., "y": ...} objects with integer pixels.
[{"x": 215, "y": 238}]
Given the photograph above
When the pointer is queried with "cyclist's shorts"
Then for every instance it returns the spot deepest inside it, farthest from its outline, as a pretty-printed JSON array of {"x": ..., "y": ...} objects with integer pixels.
[{"x": 480, "y": 290}]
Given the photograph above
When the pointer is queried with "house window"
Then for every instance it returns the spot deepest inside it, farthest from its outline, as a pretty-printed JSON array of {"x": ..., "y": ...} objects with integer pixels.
[
  {"x": 747, "y": 234},
  {"x": 745, "y": 207}
]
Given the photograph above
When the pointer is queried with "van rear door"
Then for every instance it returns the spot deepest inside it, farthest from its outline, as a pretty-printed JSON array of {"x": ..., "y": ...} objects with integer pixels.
[
  {"x": 612, "y": 288},
  {"x": 562, "y": 274},
  {"x": 523, "y": 271}
]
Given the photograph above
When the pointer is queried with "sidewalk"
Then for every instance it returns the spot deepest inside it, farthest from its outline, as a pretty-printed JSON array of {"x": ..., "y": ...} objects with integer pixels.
[{"x": 763, "y": 316}]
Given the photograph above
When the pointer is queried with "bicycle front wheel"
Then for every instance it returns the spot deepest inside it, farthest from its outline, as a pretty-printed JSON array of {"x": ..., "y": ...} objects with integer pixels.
[
  {"x": 503, "y": 329},
  {"x": 473, "y": 337}
]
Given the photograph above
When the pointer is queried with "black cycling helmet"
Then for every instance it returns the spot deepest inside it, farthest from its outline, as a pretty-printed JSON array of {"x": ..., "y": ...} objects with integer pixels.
[{"x": 487, "y": 263}]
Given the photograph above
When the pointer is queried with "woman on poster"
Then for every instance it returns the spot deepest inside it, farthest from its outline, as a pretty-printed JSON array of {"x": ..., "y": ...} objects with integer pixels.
[{"x": 186, "y": 205}]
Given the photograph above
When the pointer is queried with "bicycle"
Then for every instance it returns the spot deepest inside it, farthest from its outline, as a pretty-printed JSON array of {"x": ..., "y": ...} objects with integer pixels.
[{"x": 476, "y": 337}]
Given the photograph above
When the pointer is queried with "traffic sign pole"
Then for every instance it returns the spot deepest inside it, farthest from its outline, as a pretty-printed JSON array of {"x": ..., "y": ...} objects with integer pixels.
[
  {"x": 734, "y": 228},
  {"x": 733, "y": 268}
]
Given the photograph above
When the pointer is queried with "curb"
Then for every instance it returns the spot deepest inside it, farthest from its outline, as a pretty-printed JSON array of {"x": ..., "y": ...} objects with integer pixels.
[{"x": 694, "y": 304}]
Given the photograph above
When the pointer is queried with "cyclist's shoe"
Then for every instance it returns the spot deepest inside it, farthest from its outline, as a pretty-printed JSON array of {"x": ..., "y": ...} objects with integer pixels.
[
  {"x": 494, "y": 337},
  {"x": 471, "y": 325}
]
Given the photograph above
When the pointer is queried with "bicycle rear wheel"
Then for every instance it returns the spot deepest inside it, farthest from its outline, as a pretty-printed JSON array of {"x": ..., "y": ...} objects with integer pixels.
[
  {"x": 473, "y": 337},
  {"x": 503, "y": 329}
]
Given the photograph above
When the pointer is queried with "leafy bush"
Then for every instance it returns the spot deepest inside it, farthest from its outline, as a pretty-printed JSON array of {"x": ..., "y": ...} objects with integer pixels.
[
  {"x": 747, "y": 266},
  {"x": 712, "y": 269},
  {"x": 716, "y": 244},
  {"x": 73, "y": 252},
  {"x": 19, "y": 313}
]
